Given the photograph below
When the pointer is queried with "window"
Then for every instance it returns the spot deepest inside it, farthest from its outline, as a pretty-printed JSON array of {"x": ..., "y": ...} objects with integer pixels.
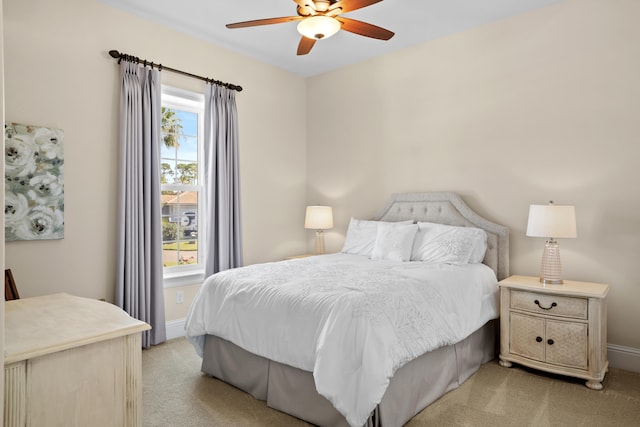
[{"x": 181, "y": 185}]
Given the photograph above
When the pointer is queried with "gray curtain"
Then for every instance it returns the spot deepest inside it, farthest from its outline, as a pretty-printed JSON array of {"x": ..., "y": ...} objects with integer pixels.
[
  {"x": 139, "y": 286},
  {"x": 223, "y": 235}
]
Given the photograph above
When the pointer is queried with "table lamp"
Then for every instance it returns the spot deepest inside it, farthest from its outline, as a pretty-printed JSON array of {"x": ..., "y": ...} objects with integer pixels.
[
  {"x": 551, "y": 221},
  {"x": 319, "y": 218}
]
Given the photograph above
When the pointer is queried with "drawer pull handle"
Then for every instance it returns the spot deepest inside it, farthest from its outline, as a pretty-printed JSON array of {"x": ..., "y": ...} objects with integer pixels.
[
  {"x": 550, "y": 341},
  {"x": 553, "y": 304},
  {"x": 538, "y": 339}
]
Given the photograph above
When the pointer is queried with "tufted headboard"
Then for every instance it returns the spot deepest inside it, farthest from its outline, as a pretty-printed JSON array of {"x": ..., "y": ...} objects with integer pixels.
[{"x": 448, "y": 208}]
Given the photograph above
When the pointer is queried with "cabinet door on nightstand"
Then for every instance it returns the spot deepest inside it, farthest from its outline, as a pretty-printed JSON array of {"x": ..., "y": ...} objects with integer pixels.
[
  {"x": 526, "y": 336},
  {"x": 570, "y": 344}
]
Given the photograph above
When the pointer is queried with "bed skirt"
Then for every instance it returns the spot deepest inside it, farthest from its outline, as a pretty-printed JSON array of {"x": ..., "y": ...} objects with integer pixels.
[{"x": 413, "y": 387}]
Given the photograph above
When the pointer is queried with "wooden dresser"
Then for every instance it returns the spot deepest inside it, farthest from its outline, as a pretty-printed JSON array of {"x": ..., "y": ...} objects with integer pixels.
[
  {"x": 556, "y": 328},
  {"x": 71, "y": 361}
]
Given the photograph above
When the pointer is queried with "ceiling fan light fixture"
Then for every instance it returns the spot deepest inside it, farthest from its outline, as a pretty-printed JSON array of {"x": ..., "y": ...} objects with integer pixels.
[{"x": 318, "y": 27}]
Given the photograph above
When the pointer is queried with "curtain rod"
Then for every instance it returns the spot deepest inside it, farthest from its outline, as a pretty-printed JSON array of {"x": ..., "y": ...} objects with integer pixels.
[{"x": 120, "y": 56}]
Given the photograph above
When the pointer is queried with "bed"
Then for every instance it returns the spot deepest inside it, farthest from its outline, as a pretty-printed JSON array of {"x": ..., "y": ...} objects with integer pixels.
[{"x": 371, "y": 354}]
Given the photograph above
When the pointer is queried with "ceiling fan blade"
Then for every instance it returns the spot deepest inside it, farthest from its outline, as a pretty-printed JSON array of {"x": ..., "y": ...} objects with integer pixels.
[
  {"x": 267, "y": 21},
  {"x": 305, "y": 45},
  {"x": 364, "y": 29},
  {"x": 349, "y": 5}
]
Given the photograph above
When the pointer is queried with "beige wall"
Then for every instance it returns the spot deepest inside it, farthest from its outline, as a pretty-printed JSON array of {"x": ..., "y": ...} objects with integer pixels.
[
  {"x": 58, "y": 73},
  {"x": 541, "y": 106},
  {"x": 175, "y": 310}
]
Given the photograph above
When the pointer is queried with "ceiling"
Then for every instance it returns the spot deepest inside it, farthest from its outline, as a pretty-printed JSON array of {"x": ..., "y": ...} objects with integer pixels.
[{"x": 413, "y": 21}]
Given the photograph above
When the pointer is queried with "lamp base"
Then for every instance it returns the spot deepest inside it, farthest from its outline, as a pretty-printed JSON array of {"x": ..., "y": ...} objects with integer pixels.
[
  {"x": 550, "y": 266},
  {"x": 319, "y": 242}
]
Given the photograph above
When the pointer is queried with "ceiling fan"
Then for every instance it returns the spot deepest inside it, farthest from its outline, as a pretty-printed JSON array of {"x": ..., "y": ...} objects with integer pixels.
[{"x": 320, "y": 19}]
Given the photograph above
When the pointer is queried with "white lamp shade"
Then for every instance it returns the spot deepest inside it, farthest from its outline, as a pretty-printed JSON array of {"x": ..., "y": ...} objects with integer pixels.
[
  {"x": 318, "y": 217},
  {"x": 318, "y": 27},
  {"x": 552, "y": 221}
]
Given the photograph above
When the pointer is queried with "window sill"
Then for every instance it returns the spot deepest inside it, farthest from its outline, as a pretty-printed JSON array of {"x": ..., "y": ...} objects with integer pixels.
[{"x": 183, "y": 278}]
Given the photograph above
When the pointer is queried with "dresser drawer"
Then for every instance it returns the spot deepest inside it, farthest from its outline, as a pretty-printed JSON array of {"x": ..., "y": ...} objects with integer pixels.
[{"x": 555, "y": 305}]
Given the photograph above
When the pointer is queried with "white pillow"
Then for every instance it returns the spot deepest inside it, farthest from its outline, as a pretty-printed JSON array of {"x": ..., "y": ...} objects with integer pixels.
[
  {"x": 361, "y": 236},
  {"x": 449, "y": 244},
  {"x": 394, "y": 241}
]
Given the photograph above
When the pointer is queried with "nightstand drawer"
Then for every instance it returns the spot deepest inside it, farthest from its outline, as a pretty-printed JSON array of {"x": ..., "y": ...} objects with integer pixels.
[
  {"x": 526, "y": 336},
  {"x": 557, "y": 342},
  {"x": 570, "y": 344},
  {"x": 553, "y": 305}
]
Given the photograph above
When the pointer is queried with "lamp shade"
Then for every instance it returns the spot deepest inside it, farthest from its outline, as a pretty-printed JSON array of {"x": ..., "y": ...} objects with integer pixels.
[
  {"x": 318, "y": 27},
  {"x": 318, "y": 217},
  {"x": 554, "y": 221}
]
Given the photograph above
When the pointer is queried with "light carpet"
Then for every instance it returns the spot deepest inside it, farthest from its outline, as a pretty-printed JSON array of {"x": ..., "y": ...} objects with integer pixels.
[{"x": 177, "y": 394}]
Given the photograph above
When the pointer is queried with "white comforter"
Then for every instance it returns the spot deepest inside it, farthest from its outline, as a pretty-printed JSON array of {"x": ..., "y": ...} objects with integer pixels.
[{"x": 350, "y": 320}]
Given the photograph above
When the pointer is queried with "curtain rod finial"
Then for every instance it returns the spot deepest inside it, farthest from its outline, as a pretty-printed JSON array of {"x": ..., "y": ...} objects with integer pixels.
[{"x": 114, "y": 54}]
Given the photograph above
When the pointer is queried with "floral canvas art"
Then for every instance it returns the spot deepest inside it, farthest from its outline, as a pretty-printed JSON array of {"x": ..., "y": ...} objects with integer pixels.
[{"x": 34, "y": 182}]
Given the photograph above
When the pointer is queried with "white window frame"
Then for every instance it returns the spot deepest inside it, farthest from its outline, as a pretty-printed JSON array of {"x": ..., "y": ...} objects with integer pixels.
[{"x": 185, "y": 100}]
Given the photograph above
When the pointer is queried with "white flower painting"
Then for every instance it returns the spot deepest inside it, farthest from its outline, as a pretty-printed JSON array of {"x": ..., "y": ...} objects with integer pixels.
[{"x": 34, "y": 182}]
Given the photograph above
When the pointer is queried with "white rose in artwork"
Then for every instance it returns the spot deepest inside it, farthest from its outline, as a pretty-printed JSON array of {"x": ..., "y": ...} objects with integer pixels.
[
  {"x": 46, "y": 189},
  {"x": 20, "y": 158},
  {"x": 49, "y": 143},
  {"x": 16, "y": 208},
  {"x": 41, "y": 223}
]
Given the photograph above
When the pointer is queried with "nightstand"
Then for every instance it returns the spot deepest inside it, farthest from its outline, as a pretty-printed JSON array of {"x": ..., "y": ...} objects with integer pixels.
[
  {"x": 298, "y": 256},
  {"x": 555, "y": 328}
]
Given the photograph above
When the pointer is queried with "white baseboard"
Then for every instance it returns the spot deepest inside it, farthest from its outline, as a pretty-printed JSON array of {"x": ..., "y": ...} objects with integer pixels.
[
  {"x": 627, "y": 358},
  {"x": 620, "y": 357},
  {"x": 175, "y": 329}
]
